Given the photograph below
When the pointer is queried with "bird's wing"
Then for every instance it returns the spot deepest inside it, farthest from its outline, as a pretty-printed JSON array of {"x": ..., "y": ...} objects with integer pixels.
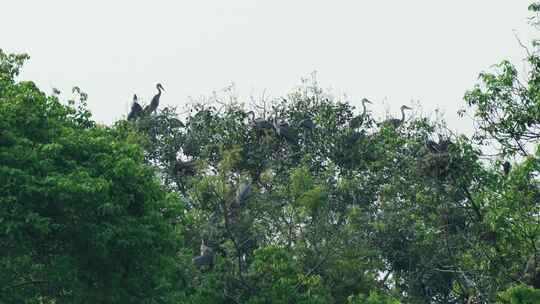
[
  {"x": 356, "y": 122},
  {"x": 136, "y": 107}
]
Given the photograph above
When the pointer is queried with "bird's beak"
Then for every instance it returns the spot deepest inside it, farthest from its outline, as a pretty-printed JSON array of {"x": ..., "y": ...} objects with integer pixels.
[{"x": 368, "y": 101}]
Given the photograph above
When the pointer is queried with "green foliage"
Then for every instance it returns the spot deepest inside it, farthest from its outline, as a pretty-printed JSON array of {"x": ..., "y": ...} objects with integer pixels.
[
  {"x": 520, "y": 294},
  {"x": 334, "y": 211},
  {"x": 83, "y": 219},
  {"x": 278, "y": 280},
  {"x": 374, "y": 298},
  {"x": 350, "y": 211}
]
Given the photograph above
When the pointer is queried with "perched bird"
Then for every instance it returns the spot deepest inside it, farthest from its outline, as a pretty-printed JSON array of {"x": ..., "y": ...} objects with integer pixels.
[
  {"x": 136, "y": 109},
  {"x": 354, "y": 137},
  {"x": 207, "y": 256},
  {"x": 205, "y": 249},
  {"x": 242, "y": 194},
  {"x": 357, "y": 121},
  {"x": 283, "y": 130},
  {"x": 506, "y": 167},
  {"x": 440, "y": 147},
  {"x": 152, "y": 107},
  {"x": 432, "y": 146},
  {"x": 394, "y": 122},
  {"x": 176, "y": 123},
  {"x": 203, "y": 260},
  {"x": 258, "y": 123},
  {"x": 444, "y": 144},
  {"x": 307, "y": 123},
  {"x": 184, "y": 168}
]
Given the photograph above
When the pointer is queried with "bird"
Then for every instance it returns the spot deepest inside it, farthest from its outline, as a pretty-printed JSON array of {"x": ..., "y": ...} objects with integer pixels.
[
  {"x": 207, "y": 256},
  {"x": 444, "y": 144},
  {"x": 203, "y": 260},
  {"x": 440, "y": 147},
  {"x": 506, "y": 167},
  {"x": 243, "y": 192},
  {"x": 184, "y": 168},
  {"x": 394, "y": 122},
  {"x": 307, "y": 123},
  {"x": 176, "y": 123},
  {"x": 432, "y": 146},
  {"x": 357, "y": 121},
  {"x": 136, "y": 109},
  {"x": 152, "y": 107},
  {"x": 258, "y": 123},
  {"x": 283, "y": 130},
  {"x": 205, "y": 249},
  {"x": 354, "y": 137}
]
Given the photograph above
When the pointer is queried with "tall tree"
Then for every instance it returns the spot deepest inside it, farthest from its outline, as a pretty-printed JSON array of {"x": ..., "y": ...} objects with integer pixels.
[{"x": 83, "y": 219}]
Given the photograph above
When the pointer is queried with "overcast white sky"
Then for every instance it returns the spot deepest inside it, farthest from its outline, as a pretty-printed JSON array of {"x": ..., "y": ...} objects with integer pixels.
[{"x": 426, "y": 50}]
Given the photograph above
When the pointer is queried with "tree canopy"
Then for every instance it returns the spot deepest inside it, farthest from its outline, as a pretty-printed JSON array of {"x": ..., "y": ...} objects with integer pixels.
[
  {"x": 83, "y": 219},
  {"x": 297, "y": 199}
]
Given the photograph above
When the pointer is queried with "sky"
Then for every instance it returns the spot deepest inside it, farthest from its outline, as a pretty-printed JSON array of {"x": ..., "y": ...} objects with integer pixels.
[{"x": 390, "y": 51}]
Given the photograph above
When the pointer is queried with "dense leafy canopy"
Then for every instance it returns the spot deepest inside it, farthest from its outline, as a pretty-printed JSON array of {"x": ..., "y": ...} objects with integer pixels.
[
  {"x": 82, "y": 218},
  {"x": 301, "y": 199}
]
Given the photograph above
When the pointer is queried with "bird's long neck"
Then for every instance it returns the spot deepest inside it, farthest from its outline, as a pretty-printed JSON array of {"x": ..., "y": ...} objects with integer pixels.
[
  {"x": 402, "y": 115},
  {"x": 364, "y": 107},
  {"x": 275, "y": 123},
  {"x": 159, "y": 91}
]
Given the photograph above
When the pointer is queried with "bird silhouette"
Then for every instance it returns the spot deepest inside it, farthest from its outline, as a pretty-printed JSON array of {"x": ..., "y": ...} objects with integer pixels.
[
  {"x": 258, "y": 123},
  {"x": 283, "y": 130},
  {"x": 394, "y": 122},
  {"x": 207, "y": 256},
  {"x": 242, "y": 194},
  {"x": 307, "y": 123},
  {"x": 136, "y": 109},
  {"x": 357, "y": 121},
  {"x": 506, "y": 167},
  {"x": 355, "y": 137},
  {"x": 152, "y": 107}
]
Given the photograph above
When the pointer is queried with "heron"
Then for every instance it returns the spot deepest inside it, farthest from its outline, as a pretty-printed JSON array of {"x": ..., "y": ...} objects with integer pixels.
[
  {"x": 205, "y": 249},
  {"x": 176, "y": 123},
  {"x": 357, "y": 121},
  {"x": 394, "y": 122},
  {"x": 203, "y": 260},
  {"x": 155, "y": 100},
  {"x": 355, "y": 137},
  {"x": 207, "y": 256},
  {"x": 440, "y": 147},
  {"x": 432, "y": 146},
  {"x": 136, "y": 109},
  {"x": 444, "y": 144},
  {"x": 283, "y": 130},
  {"x": 243, "y": 192},
  {"x": 506, "y": 167},
  {"x": 307, "y": 123},
  {"x": 185, "y": 168},
  {"x": 258, "y": 123}
]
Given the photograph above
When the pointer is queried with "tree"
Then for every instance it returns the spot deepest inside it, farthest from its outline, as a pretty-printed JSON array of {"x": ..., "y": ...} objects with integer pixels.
[
  {"x": 519, "y": 294},
  {"x": 83, "y": 219},
  {"x": 336, "y": 207},
  {"x": 342, "y": 211}
]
